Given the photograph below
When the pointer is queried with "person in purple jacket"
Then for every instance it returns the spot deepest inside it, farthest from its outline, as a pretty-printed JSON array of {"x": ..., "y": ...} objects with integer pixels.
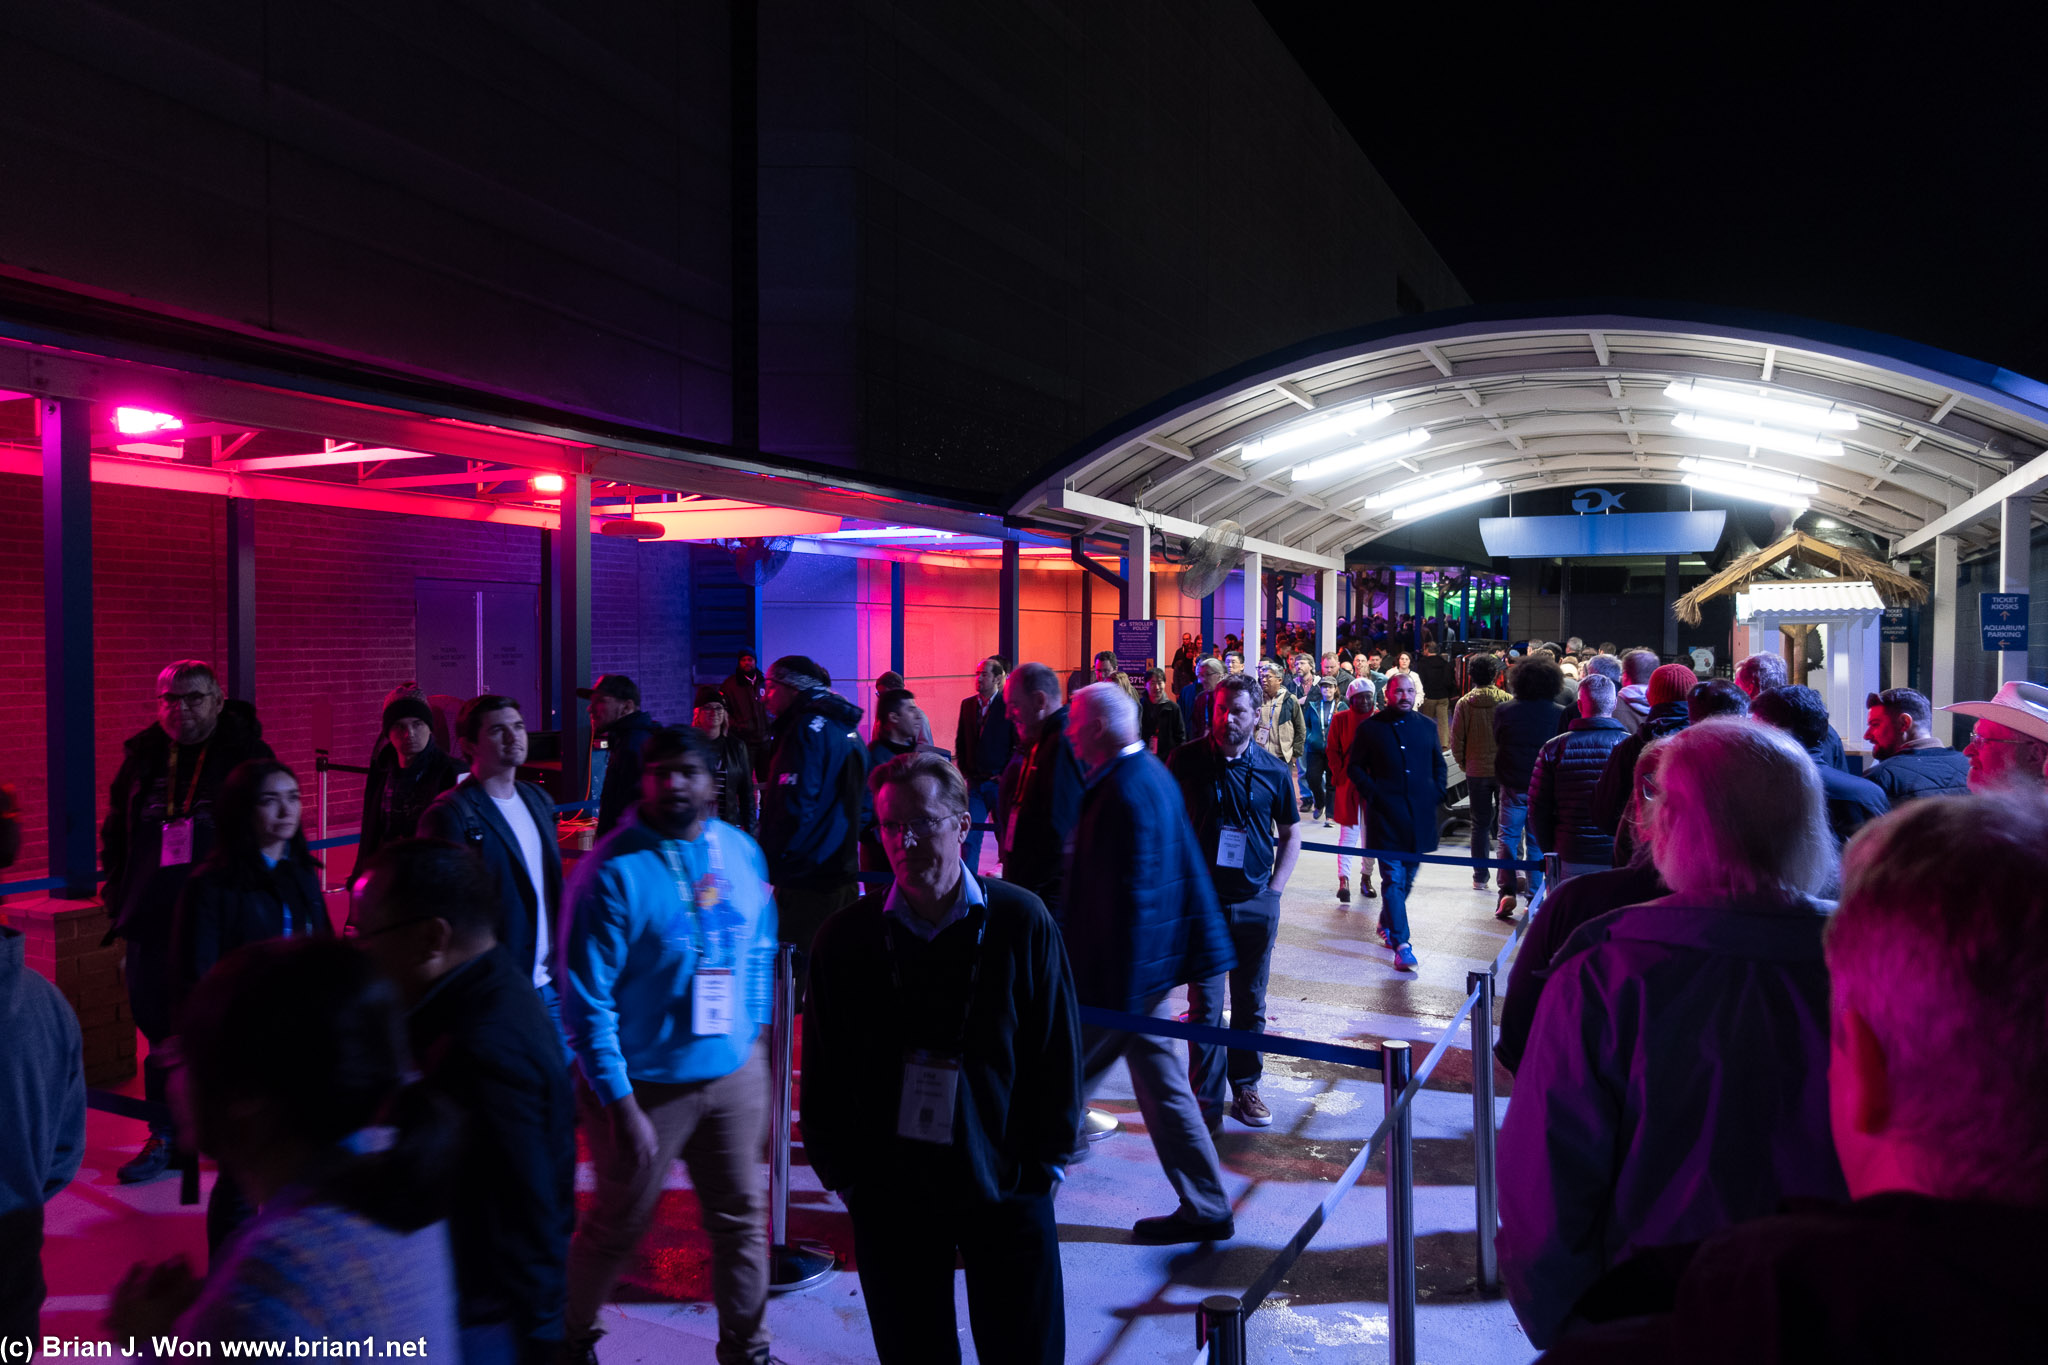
[{"x": 1675, "y": 1082}]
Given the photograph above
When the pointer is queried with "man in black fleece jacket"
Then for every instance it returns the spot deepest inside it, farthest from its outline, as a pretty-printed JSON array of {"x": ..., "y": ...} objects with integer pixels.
[{"x": 942, "y": 1085}]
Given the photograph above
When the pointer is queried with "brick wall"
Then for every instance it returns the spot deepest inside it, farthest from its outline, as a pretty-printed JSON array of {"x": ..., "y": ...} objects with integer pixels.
[{"x": 334, "y": 606}]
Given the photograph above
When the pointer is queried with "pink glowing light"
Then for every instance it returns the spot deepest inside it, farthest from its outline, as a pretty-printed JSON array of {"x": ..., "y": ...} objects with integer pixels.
[
  {"x": 549, "y": 483},
  {"x": 142, "y": 422}
]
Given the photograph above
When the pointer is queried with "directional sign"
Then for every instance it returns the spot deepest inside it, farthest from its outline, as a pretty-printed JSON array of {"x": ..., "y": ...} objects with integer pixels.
[
  {"x": 2004, "y": 618},
  {"x": 1900, "y": 624}
]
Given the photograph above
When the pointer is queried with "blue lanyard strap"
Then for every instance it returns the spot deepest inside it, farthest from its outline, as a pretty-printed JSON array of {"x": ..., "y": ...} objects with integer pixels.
[{"x": 690, "y": 897}]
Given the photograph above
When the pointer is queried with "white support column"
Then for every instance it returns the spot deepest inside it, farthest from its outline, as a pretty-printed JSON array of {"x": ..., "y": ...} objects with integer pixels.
[
  {"x": 1254, "y": 607},
  {"x": 1326, "y": 608},
  {"x": 1140, "y": 572},
  {"x": 1941, "y": 664},
  {"x": 2015, "y": 545}
]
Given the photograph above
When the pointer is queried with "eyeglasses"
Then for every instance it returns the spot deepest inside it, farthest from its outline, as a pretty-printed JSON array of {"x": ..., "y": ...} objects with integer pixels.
[
  {"x": 351, "y": 929},
  {"x": 917, "y": 830},
  {"x": 191, "y": 701},
  {"x": 1995, "y": 739}
]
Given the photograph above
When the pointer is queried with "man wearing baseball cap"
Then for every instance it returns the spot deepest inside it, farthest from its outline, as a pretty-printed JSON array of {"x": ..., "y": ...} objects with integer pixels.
[
  {"x": 618, "y": 731},
  {"x": 2008, "y": 750}
]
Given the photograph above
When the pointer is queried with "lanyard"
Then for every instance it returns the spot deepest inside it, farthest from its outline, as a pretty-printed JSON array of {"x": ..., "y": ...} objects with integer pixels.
[
  {"x": 171, "y": 811},
  {"x": 1239, "y": 814},
  {"x": 695, "y": 899},
  {"x": 889, "y": 932}
]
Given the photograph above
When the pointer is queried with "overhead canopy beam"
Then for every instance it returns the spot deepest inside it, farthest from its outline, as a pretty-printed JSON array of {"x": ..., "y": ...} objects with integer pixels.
[
  {"x": 2024, "y": 482},
  {"x": 1066, "y": 499}
]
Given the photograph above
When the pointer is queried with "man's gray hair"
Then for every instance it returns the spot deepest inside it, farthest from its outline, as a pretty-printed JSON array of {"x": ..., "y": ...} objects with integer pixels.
[
  {"x": 1106, "y": 705},
  {"x": 1036, "y": 677},
  {"x": 1761, "y": 672},
  {"x": 905, "y": 769},
  {"x": 1604, "y": 666},
  {"x": 1740, "y": 815},
  {"x": 188, "y": 668},
  {"x": 1941, "y": 945},
  {"x": 1601, "y": 689},
  {"x": 1637, "y": 666}
]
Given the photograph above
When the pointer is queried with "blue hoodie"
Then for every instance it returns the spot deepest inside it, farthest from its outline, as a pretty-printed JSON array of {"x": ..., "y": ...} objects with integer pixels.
[{"x": 630, "y": 945}]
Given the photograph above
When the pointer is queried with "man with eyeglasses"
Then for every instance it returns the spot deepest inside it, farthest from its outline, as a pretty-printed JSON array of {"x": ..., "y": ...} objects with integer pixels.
[
  {"x": 668, "y": 959},
  {"x": 2008, "y": 749},
  {"x": 159, "y": 826},
  {"x": 942, "y": 1084}
]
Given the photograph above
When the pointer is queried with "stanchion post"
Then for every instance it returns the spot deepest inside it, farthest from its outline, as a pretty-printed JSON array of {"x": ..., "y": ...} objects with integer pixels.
[
  {"x": 320, "y": 768},
  {"x": 1219, "y": 1325},
  {"x": 791, "y": 1265},
  {"x": 1485, "y": 1150},
  {"x": 1398, "y": 1065}
]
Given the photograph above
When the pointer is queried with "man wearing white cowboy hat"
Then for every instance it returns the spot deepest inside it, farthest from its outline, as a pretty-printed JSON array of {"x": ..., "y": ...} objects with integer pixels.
[{"x": 2008, "y": 750}]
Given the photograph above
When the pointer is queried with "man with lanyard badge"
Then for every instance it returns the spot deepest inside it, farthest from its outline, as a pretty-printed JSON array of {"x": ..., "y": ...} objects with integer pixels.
[
  {"x": 668, "y": 946},
  {"x": 1236, "y": 795}
]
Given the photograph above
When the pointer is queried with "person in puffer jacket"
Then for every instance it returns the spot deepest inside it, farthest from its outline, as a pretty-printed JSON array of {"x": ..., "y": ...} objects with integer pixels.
[
  {"x": 1669, "y": 690},
  {"x": 811, "y": 801},
  {"x": 1568, "y": 770}
]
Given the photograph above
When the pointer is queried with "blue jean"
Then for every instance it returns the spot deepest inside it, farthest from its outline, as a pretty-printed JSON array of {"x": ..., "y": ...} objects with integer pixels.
[
  {"x": 1396, "y": 881},
  {"x": 1254, "y": 926},
  {"x": 1514, "y": 835},
  {"x": 981, "y": 806},
  {"x": 1485, "y": 797}
]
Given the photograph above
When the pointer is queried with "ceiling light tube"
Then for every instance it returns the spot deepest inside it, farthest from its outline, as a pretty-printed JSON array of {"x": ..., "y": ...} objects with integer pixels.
[
  {"x": 1749, "y": 492},
  {"x": 1757, "y": 435},
  {"x": 1692, "y": 394},
  {"x": 142, "y": 421},
  {"x": 1449, "y": 500},
  {"x": 1418, "y": 489},
  {"x": 1386, "y": 448},
  {"x": 1728, "y": 472},
  {"x": 1316, "y": 429}
]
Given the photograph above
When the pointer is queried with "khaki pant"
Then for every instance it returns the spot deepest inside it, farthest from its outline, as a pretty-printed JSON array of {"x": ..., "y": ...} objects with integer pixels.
[
  {"x": 718, "y": 1129},
  {"x": 1438, "y": 709}
]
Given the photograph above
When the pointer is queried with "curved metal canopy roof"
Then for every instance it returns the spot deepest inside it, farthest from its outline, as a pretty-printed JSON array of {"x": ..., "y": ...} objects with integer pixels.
[{"x": 1539, "y": 399}]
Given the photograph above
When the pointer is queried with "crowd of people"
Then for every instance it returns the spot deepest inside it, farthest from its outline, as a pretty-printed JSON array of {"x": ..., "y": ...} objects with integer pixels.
[{"x": 1758, "y": 977}]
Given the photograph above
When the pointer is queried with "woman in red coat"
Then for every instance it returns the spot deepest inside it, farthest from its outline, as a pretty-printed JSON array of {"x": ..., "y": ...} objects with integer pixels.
[{"x": 1349, "y": 816}]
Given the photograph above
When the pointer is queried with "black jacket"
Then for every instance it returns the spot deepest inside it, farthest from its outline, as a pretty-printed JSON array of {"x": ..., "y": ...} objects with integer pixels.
[
  {"x": 1397, "y": 769},
  {"x": 983, "y": 739},
  {"x": 1141, "y": 915},
  {"x": 1520, "y": 730},
  {"x": 1934, "y": 771},
  {"x": 745, "y": 707},
  {"x": 810, "y": 812},
  {"x": 1618, "y": 783},
  {"x": 1162, "y": 720},
  {"x": 140, "y": 894},
  {"x": 621, "y": 741},
  {"x": 1020, "y": 1084},
  {"x": 1853, "y": 802},
  {"x": 223, "y": 907},
  {"x": 467, "y": 815},
  {"x": 482, "y": 1039},
  {"x": 1568, "y": 772},
  {"x": 394, "y": 798},
  {"x": 1566, "y": 906},
  {"x": 1439, "y": 677},
  {"x": 1036, "y": 809},
  {"x": 736, "y": 804}
]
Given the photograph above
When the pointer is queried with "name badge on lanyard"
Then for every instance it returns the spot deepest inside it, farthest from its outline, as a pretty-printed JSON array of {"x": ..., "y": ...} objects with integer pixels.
[
  {"x": 714, "y": 998},
  {"x": 931, "y": 1091},
  {"x": 1230, "y": 845},
  {"x": 711, "y": 1003},
  {"x": 177, "y": 845}
]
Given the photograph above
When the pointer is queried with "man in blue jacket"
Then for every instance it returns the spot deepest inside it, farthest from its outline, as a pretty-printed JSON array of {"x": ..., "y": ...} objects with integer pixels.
[
  {"x": 1142, "y": 918},
  {"x": 668, "y": 954},
  {"x": 1397, "y": 768},
  {"x": 812, "y": 798}
]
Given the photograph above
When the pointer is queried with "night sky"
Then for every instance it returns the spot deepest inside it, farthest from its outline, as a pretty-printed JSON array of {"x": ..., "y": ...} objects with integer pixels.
[{"x": 1887, "y": 171}]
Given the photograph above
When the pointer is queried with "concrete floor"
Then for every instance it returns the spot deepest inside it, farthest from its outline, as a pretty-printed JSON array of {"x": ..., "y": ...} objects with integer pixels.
[{"x": 1126, "y": 1304}]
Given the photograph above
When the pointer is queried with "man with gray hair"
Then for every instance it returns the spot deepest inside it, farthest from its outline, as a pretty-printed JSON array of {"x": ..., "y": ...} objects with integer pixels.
[
  {"x": 2008, "y": 748},
  {"x": 811, "y": 799},
  {"x": 1632, "y": 706},
  {"x": 1936, "y": 1064},
  {"x": 1141, "y": 919},
  {"x": 1566, "y": 775},
  {"x": 1761, "y": 673},
  {"x": 159, "y": 826}
]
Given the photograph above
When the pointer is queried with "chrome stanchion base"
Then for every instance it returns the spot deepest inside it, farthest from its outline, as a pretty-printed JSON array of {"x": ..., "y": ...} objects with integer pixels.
[
  {"x": 1098, "y": 1124},
  {"x": 799, "y": 1266}
]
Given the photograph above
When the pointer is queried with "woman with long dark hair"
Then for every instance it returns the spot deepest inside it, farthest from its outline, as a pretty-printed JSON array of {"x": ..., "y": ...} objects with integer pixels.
[{"x": 291, "y": 1074}]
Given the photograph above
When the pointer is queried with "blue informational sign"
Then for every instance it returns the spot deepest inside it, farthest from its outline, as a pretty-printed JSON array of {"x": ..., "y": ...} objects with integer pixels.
[
  {"x": 1900, "y": 625},
  {"x": 1136, "y": 645},
  {"x": 1616, "y": 533},
  {"x": 2004, "y": 619}
]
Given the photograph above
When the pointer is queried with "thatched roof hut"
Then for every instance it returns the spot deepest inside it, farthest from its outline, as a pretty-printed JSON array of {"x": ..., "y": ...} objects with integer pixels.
[{"x": 1846, "y": 565}]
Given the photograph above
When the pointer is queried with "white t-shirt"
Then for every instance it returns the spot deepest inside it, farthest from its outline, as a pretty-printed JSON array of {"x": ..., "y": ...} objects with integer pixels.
[{"x": 513, "y": 810}]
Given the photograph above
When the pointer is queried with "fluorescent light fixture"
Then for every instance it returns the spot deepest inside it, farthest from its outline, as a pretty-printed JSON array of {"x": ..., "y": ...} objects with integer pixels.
[
  {"x": 1727, "y": 471},
  {"x": 1417, "y": 489},
  {"x": 1825, "y": 523},
  {"x": 1757, "y": 435},
  {"x": 1693, "y": 394},
  {"x": 1315, "y": 429},
  {"x": 548, "y": 483},
  {"x": 141, "y": 421},
  {"x": 1449, "y": 500},
  {"x": 888, "y": 533},
  {"x": 1372, "y": 452},
  {"x": 1752, "y": 492}
]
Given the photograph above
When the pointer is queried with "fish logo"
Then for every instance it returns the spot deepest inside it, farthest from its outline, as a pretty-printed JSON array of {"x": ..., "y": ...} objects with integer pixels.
[{"x": 1595, "y": 500}]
